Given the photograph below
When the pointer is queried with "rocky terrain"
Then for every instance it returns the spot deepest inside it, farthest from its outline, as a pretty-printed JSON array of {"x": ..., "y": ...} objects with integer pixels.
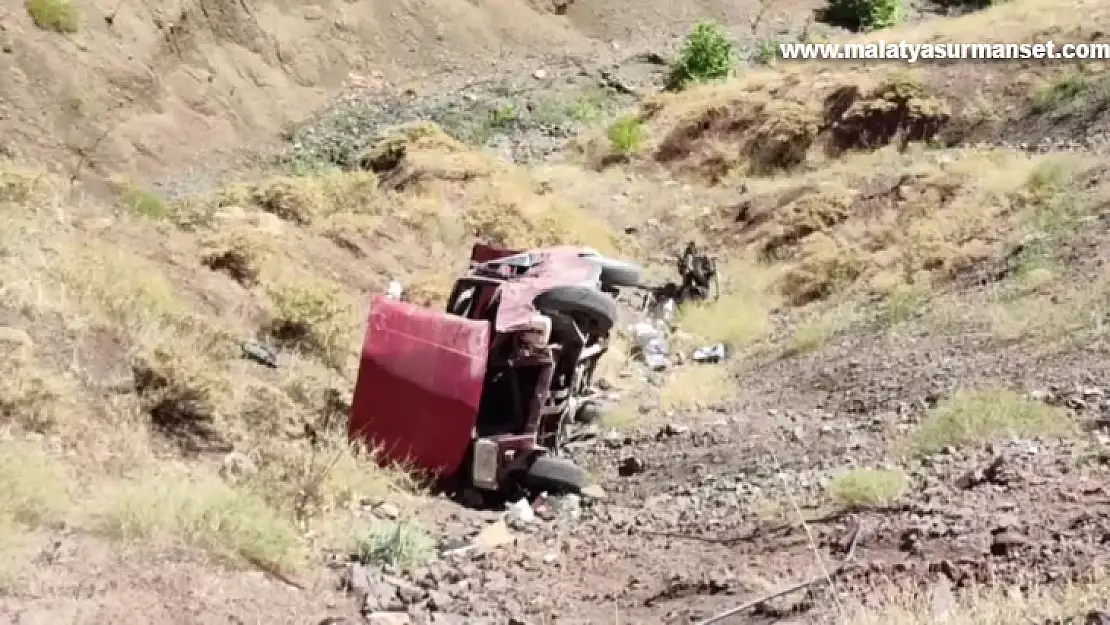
[{"x": 910, "y": 426}]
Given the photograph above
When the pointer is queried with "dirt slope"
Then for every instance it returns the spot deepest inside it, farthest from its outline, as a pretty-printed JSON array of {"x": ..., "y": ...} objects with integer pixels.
[{"x": 160, "y": 86}]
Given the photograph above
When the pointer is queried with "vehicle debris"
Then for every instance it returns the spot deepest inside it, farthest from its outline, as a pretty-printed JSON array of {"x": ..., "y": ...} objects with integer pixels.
[
  {"x": 710, "y": 354},
  {"x": 481, "y": 393}
]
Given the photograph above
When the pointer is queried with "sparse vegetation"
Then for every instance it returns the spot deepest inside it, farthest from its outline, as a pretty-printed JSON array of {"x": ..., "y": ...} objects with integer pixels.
[
  {"x": 1061, "y": 92},
  {"x": 402, "y": 545},
  {"x": 200, "y": 511},
  {"x": 904, "y": 302},
  {"x": 865, "y": 15},
  {"x": 626, "y": 136},
  {"x": 314, "y": 315},
  {"x": 60, "y": 16},
  {"x": 35, "y": 487},
  {"x": 868, "y": 487},
  {"x": 142, "y": 201},
  {"x": 978, "y": 416},
  {"x": 707, "y": 55},
  {"x": 693, "y": 386},
  {"x": 814, "y": 332}
]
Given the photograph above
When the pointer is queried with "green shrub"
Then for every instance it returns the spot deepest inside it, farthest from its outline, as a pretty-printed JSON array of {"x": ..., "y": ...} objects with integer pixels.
[
  {"x": 707, "y": 55},
  {"x": 868, "y": 487},
  {"x": 970, "y": 417},
  {"x": 865, "y": 15},
  {"x": 400, "y": 544},
  {"x": 59, "y": 16},
  {"x": 626, "y": 135}
]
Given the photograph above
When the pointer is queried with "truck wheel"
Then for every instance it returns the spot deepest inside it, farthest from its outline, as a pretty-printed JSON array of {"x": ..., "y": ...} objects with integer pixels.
[
  {"x": 555, "y": 475},
  {"x": 579, "y": 300},
  {"x": 616, "y": 272}
]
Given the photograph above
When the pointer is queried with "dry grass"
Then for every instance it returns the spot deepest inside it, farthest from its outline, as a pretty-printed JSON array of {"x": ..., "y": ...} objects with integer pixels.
[
  {"x": 36, "y": 488},
  {"x": 741, "y": 316},
  {"x": 998, "y": 606},
  {"x": 620, "y": 417},
  {"x": 978, "y": 416},
  {"x": 315, "y": 316},
  {"x": 818, "y": 329},
  {"x": 693, "y": 386},
  {"x": 868, "y": 487},
  {"x": 402, "y": 545},
  {"x": 201, "y": 511}
]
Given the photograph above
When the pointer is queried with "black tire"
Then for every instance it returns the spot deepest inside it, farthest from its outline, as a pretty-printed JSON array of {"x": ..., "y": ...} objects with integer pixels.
[
  {"x": 589, "y": 412},
  {"x": 554, "y": 475},
  {"x": 579, "y": 300},
  {"x": 616, "y": 272}
]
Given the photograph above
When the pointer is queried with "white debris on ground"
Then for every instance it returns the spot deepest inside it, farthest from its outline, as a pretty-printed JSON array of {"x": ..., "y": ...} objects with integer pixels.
[
  {"x": 395, "y": 290},
  {"x": 651, "y": 333}
]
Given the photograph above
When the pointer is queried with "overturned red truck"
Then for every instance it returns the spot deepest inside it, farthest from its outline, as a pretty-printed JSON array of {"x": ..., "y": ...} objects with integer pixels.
[{"x": 481, "y": 393}]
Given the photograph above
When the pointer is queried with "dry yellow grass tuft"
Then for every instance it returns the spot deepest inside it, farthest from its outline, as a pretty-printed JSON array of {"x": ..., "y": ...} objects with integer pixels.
[
  {"x": 817, "y": 329},
  {"x": 997, "y": 606},
  {"x": 740, "y": 317},
  {"x": 868, "y": 487},
  {"x": 202, "y": 511},
  {"x": 696, "y": 386},
  {"x": 977, "y": 416}
]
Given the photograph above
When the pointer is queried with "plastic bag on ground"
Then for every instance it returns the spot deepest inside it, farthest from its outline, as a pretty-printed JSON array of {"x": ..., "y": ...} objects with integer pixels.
[{"x": 650, "y": 339}]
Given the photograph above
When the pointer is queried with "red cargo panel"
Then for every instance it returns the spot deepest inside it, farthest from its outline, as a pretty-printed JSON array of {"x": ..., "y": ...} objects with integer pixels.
[{"x": 419, "y": 385}]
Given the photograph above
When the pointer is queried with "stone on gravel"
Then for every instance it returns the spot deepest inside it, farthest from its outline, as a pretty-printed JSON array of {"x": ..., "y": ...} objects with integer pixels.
[
  {"x": 629, "y": 466},
  {"x": 388, "y": 618},
  {"x": 386, "y": 511},
  {"x": 594, "y": 492},
  {"x": 494, "y": 535},
  {"x": 1005, "y": 541}
]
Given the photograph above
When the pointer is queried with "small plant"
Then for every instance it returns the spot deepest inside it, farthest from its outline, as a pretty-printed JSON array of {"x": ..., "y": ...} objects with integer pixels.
[
  {"x": 979, "y": 416},
  {"x": 903, "y": 303},
  {"x": 141, "y": 201},
  {"x": 146, "y": 203},
  {"x": 202, "y": 512},
  {"x": 401, "y": 545},
  {"x": 626, "y": 135},
  {"x": 865, "y": 15},
  {"x": 60, "y": 16},
  {"x": 503, "y": 117},
  {"x": 587, "y": 109},
  {"x": 1060, "y": 92},
  {"x": 707, "y": 55},
  {"x": 313, "y": 315},
  {"x": 764, "y": 53},
  {"x": 868, "y": 487}
]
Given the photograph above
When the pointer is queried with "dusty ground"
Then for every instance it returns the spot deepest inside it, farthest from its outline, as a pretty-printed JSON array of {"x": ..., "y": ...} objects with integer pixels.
[{"x": 918, "y": 332}]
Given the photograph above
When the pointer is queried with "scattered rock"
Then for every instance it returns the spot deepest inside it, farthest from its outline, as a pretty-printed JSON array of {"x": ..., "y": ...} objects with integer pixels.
[
  {"x": 388, "y": 618},
  {"x": 1005, "y": 541},
  {"x": 594, "y": 492},
  {"x": 494, "y": 535},
  {"x": 237, "y": 465},
  {"x": 629, "y": 466},
  {"x": 386, "y": 510}
]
